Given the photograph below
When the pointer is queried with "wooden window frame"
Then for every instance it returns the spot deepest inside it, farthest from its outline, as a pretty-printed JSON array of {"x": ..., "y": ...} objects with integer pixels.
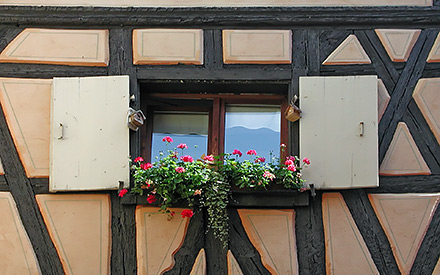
[{"x": 216, "y": 130}]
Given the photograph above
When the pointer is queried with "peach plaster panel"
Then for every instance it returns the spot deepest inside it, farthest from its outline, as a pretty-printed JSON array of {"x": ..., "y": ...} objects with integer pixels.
[
  {"x": 272, "y": 232},
  {"x": 2, "y": 171},
  {"x": 199, "y": 267},
  {"x": 383, "y": 98},
  {"x": 168, "y": 46},
  {"x": 257, "y": 46},
  {"x": 233, "y": 266},
  {"x": 403, "y": 157},
  {"x": 434, "y": 54},
  {"x": 426, "y": 95},
  {"x": 59, "y": 46},
  {"x": 16, "y": 253},
  {"x": 437, "y": 268},
  {"x": 217, "y": 3},
  {"x": 398, "y": 42},
  {"x": 157, "y": 239},
  {"x": 345, "y": 249},
  {"x": 79, "y": 226},
  {"x": 26, "y": 104},
  {"x": 350, "y": 51},
  {"x": 405, "y": 219}
]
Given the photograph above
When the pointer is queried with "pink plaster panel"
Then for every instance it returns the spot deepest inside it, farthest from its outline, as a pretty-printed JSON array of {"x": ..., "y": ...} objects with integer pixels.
[
  {"x": 434, "y": 54},
  {"x": 383, "y": 98},
  {"x": 257, "y": 46},
  {"x": 350, "y": 51},
  {"x": 199, "y": 267},
  {"x": 398, "y": 42},
  {"x": 26, "y": 103},
  {"x": 16, "y": 253},
  {"x": 426, "y": 94},
  {"x": 272, "y": 232},
  {"x": 346, "y": 251},
  {"x": 233, "y": 266},
  {"x": 168, "y": 46},
  {"x": 405, "y": 219},
  {"x": 403, "y": 157},
  {"x": 58, "y": 46},
  {"x": 80, "y": 227},
  {"x": 157, "y": 239}
]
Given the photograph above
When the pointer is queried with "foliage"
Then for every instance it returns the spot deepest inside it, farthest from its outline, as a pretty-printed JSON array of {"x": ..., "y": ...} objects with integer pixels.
[{"x": 173, "y": 179}]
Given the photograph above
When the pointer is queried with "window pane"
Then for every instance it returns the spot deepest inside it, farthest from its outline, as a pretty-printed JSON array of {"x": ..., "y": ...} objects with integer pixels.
[
  {"x": 188, "y": 128},
  {"x": 253, "y": 127}
]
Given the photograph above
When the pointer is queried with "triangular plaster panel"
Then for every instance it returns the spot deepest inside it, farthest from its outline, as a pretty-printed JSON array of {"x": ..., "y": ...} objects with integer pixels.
[
  {"x": 426, "y": 94},
  {"x": 437, "y": 268},
  {"x": 434, "y": 54},
  {"x": 405, "y": 219},
  {"x": 26, "y": 104},
  {"x": 346, "y": 251},
  {"x": 2, "y": 171},
  {"x": 349, "y": 52},
  {"x": 383, "y": 98},
  {"x": 57, "y": 46},
  {"x": 79, "y": 226},
  {"x": 272, "y": 234},
  {"x": 157, "y": 239},
  {"x": 233, "y": 266},
  {"x": 403, "y": 157},
  {"x": 199, "y": 267},
  {"x": 16, "y": 253},
  {"x": 398, "y": 43}
]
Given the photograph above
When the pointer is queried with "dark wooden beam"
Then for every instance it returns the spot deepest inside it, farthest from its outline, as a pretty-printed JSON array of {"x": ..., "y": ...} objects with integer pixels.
[
  {"x": 408, "y": 184},
  {"x": 402, "y": 93},
  {"x": 3, "y": 184},
  {"x": 310, "y": 237},
  {"x": 241, "y": 247},
  {"x": 123, "y": 257},
  {"x": 193, "y": 242},
  {"x": 245, "y": 17},
  {"x": 7, "y": 35},
  {"x": 330, "y": 40},
  {"x": 371, "y": 231},
  {"x": 24, "y": 196},
  {"x": 48, "y": 71}
]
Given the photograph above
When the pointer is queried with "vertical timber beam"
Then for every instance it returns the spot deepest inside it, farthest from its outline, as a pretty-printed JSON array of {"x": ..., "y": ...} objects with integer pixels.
[{"x": 123, "y": 257}]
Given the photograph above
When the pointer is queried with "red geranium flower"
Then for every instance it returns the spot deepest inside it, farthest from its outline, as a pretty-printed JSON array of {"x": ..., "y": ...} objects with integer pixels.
[
  {"x": 260, "y": 160},
  {"x": 167, "y": 139},
  {"x": 146, "y": 166},
  {"x": 209, "y": 159},
  {"x": 122, "y": 192},
  {"x": 138, "y": 159},
  {"x": 180, "y": 170},
  {"x": 237, "y": 152},
  {"x": 187, "y": 158},
  {"x": 288, "y": 162},
  {"x": 306, "y": 161},
  {"x": 151, "y": 199},
  {"x": 251, "y": 152},
  {"x": 182, "y": 146},
  {"x": 291, "y": 168},
  {"x": 187, "y": 213}
]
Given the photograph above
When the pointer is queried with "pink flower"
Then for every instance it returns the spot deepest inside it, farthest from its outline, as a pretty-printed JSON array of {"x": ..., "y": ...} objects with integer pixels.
[
  {"x": 187, "y": 158},
  {"x": 306, "y": 161},
  {"x": 269, "y": 175},
  {"x": 187, "y": 213},
  {"x": 138, "y": 159},
  {"x": 282, "y": 145},
  {"x": 197, "y": 192},
  {"x": 260, "y": 160},
  {"x": 237, "y": 152},
  {"x": 180, "y": 170},
  {"x": 291, "y": 168},
  {"x": 151, "y": 199},
  {"x": 251, "y": 152},
  {"x": 209, "y": 159},
  {"x": 122, "y": 192},
  {"x": 146, "y": 166},
  {"x": 167, "y": 139},
  {"x": 288, "y": 162},
  {"x": 182, "y": 146}
]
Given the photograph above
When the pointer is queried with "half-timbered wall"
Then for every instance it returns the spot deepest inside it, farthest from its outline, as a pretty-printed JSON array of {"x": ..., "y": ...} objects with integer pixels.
[{"x": 391, "y": 229}]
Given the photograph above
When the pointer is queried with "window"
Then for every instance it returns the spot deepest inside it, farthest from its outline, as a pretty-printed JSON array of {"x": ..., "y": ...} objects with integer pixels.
[{"x": 215, "y": 118}]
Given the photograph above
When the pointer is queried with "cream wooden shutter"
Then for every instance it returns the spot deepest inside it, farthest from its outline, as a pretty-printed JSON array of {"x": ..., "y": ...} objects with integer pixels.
[
  {"x": 338, "y": 131},
  {"x": 89, "y": 133}
]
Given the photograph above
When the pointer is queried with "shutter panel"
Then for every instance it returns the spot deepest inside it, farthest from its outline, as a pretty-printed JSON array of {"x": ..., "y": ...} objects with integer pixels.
[
  {"x": 338, "y": 131},
  {"x": 89, "y": 133}
]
